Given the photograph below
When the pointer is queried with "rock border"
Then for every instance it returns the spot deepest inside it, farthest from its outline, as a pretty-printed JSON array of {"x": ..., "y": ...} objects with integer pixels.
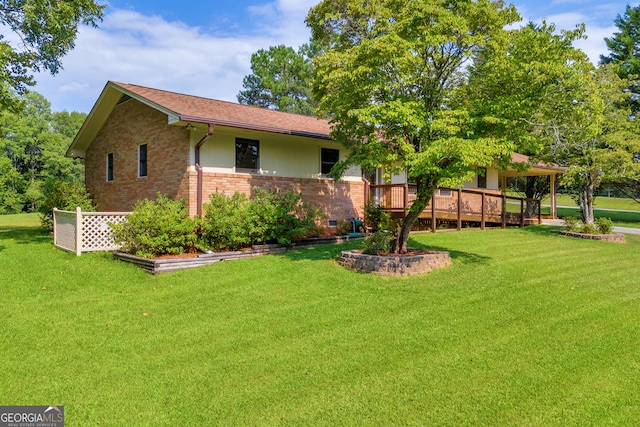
[
  {"x": 397, "y": 266},
  {"x": 613, "y": 237}
]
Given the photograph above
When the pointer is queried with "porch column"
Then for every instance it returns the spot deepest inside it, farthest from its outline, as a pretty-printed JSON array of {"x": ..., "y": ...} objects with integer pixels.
[{"x": 553, "y": 189}]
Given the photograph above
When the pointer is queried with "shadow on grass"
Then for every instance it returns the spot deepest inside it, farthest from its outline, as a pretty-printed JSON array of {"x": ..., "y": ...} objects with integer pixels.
[
  {"x": 542, "y": 230},
  {"x": 25, "y": 235},
  {"x": 332, "y": 251}
]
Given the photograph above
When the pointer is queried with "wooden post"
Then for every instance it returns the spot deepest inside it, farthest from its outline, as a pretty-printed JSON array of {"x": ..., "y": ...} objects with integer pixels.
[
  {"x": 521, "y": 212},
  {"x": 554, "y": 200},
  {"x": 504, "y": 211},
  {"x": 55, "y": 229},
  {"x": 482, "y": 220},
  {"x": 433, "y": 212},
  {"x": 459, "y": 209},
  {"x": 539, "y": 212},
  {"x": 78, "y": 231}
]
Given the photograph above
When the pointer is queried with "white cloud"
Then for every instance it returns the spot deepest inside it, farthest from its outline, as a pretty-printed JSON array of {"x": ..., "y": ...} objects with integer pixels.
[{"x": 150, "y": 51}]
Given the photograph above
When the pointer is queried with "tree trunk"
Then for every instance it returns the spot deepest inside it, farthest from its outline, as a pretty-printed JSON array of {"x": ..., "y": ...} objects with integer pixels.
[
  {"x": 423, "y": 196},
  {"x": 585, "y": 201}
]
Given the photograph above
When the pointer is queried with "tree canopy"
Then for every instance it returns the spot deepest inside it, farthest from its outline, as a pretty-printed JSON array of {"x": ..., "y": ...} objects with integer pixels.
[
  {"x": 392, "y": 80},
  {"x": 33, "y": 143},
  {"x": 280, "y": 80},
  {"x": 623, "y": 47},
  {"x": 46, "y": 31}
]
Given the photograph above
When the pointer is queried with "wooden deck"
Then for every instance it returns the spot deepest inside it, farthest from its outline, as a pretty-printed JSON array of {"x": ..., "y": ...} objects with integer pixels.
[{"x": 458, "y": 207}]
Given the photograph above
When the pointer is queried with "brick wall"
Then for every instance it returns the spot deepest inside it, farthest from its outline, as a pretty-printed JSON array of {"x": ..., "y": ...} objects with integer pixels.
[
  {"x": 129, "y": 125},
  {"x": 339, "y": 200}
]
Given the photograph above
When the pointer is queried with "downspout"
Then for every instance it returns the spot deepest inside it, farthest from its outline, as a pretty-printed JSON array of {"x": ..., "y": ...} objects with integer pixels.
[{"x": 199, "y": 168}]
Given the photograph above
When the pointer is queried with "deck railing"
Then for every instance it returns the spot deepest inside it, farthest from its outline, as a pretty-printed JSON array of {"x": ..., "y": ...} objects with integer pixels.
[{"x": 460, "y": 205}]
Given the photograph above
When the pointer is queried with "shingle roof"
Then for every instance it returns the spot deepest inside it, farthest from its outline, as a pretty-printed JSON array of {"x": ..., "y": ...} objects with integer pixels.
[{"x": 228, "y": 113}]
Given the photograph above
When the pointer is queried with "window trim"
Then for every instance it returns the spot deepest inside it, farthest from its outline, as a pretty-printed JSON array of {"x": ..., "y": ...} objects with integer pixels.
[
  {"x": 323, "y": 163},
  {"x": 256, "y": 157},
  {"x": 142, "y": 162},
  {"x": 109, "y": 167}
]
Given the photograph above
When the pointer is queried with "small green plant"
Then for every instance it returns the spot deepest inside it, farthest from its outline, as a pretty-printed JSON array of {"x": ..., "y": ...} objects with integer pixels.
[
  {"x": 377, "y": 243},
  {"x": 376, "y": 217},
  {"x": 588, "y": 229},
  {"x": 572, "y": 223},
  {"x": 156, "y": 227},
  {"x": 343, "y": 228},
  {"x": 604, "y": 225},
  {"x": 65, "y": 196}
]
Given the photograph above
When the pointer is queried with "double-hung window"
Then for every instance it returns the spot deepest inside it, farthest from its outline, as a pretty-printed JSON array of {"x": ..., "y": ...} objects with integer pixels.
[
  {"x": 247, "y": 154},
  {"x": 482, "y": 178},
  {"x": 109, "y": 167},
  {"x": 142, "y": 160},
  {"x": 328, "y": 158}
]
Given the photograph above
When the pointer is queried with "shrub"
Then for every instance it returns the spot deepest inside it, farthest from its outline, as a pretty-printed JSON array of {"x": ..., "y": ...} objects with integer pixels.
[
  {"x": 65, "y": 196},
  {"x": 376, "y": 218},
  {"x": 588, "y": 229},
  {"x": 604, "y": 225},
  {"x": 343, "y": 228},
  {"x": 226, "y": 225},
  {"x": 156, "y": 227},
  {"x": 572, "y": 223},
  {"x": 236, "y": 222},
  {"x": 377, "y": 243}
]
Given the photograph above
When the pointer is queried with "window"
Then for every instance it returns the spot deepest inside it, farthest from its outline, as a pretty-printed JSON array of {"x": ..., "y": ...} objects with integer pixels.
[
  {"x": 247, "y": 154},
  {"x": 142, "y": 160},
  {"x": 109, "y": 167},
  {"x": 328, "y": 158},
  {"x": 482, "y": 178}
]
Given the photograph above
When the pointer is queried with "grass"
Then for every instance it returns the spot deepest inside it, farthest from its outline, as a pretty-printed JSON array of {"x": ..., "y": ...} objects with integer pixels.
[{"x": 525, "y": 328}]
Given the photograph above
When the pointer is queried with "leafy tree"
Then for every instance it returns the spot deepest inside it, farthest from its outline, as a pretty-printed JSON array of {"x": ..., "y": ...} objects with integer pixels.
[
  {"x": 46, "y": 31},
  {"x": 587, "y": 129},
  {"x": 624, "y": 46},
  {"x": 33, "y": 151},
  {"x": 280, "y": 80},
  {"x": 511, "y": 80},
  {"x": 392, "y": 79}
]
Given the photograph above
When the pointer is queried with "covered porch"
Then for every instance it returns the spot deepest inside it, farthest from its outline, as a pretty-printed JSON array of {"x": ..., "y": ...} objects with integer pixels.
[
  {"x": 456, "y": 208},
  {"x": 471, "y": 207}
]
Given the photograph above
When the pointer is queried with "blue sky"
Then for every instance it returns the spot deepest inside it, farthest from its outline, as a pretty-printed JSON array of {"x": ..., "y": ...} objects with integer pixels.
[{"x": 204, "y": 48}]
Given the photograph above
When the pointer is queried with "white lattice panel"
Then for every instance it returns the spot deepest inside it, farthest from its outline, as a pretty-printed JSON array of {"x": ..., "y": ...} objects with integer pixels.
[
  {"x": 96, "y": 233},
  {"x": 65, "y": 236}
]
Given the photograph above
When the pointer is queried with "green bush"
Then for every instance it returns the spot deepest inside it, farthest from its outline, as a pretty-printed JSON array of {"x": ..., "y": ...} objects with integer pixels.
[
  {"x": 376, "y": 217},
  {"x": 65, "y": 196},
  {"x": 156, "y": 227},
  {"x": 343, "y": 228},
  {"x": 572, "y": 223},
  {"x": 588, "y": 229},
  {"x": 232, "y": 223},
  {"x": 377, "y": 243},
  {"x": 604, "y": 225},
  {"x": 226, "y": 224}
]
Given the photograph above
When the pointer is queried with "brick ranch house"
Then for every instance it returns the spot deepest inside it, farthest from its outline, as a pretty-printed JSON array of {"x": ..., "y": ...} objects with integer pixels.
[{"x": 138, "y": 141}]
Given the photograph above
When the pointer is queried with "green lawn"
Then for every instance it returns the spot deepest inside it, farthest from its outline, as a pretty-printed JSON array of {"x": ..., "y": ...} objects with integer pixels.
[{"x": 527, "y": 327}]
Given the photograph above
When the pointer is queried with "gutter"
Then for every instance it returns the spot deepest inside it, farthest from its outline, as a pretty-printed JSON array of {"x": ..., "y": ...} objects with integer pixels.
[
  {"x": 199, "y": 167},
  {"x": 252, "y": 127}
]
